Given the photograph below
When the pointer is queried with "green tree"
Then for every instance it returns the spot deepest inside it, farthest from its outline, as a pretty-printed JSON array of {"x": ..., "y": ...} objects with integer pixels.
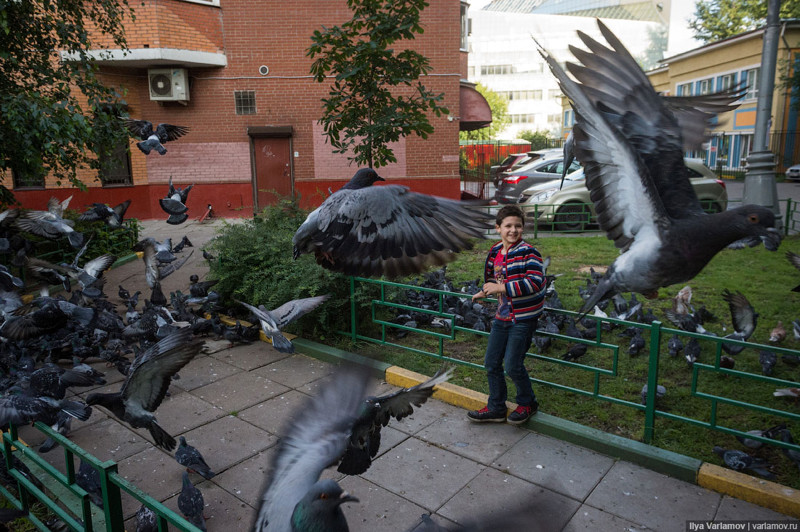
[
  {"x": 499, "y": 106},
  {"x": 539, "y": 140},
  {"x": 654, "y": 53},
  {"x": 364, "y": 111},
  {"x": 53, "y": 113},
  {"x": 718, "y": 19}
]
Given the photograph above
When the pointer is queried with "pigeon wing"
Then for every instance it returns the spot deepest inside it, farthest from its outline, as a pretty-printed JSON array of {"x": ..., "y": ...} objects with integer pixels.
[
  {"x": 400, "y": 404},
  {"x": 625, "y": 198},
  {"x": 288, "y": 312},
  {"x": 99, "y": 264},
  {"x": 139, "y": 128},
  {"x": 172, "y": 267},
  {"x": 19, "y": 409},
  {"x": 168, "y": 132},
  {"x": 743, "y": 314},
  {"x": 391, "y": 231},
  {"x": 315, "y": 440},
  {"x": 151, "y": 373},
  {"x": 120, "y": 209},
  {"x": 696, "y": 114},
  {"x": 150, "y": 264}
]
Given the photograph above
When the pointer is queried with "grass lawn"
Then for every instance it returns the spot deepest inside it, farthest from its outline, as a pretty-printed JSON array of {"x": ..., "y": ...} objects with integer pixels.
[{"x": 765, "y": 278}]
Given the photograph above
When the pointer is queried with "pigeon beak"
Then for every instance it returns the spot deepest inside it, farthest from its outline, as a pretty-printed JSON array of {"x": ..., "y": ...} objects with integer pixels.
[
  {"x": 346, "y": 497},
  {"x": 380, "y": 179}
]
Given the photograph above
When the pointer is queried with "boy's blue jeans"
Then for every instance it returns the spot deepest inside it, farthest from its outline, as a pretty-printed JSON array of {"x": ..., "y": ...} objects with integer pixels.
[{"x": 508, "y": 343}]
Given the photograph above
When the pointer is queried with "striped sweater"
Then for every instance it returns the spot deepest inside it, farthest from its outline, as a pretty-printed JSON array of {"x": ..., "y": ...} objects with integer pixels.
[{"x": 525, "y": 283}]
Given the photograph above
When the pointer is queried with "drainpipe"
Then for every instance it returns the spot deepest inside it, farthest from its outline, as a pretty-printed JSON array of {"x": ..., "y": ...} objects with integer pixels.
[{"x": 759, "y": 182}]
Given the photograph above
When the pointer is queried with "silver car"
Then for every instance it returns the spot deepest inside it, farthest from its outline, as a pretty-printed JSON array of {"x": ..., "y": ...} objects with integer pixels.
[
  {"x": 571, "y": 208},
  {"x": 793, "y": 173},
  {"x": 546, "y": 168}
]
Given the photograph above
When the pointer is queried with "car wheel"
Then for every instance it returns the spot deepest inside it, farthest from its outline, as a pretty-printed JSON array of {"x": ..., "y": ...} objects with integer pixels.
[{"x": 572, "y": 217}]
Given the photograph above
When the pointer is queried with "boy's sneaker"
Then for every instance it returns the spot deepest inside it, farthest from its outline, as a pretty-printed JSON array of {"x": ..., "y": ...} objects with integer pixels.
[
  {"x": 522, "y": 413},
  {"x": 484, "y": 415}
]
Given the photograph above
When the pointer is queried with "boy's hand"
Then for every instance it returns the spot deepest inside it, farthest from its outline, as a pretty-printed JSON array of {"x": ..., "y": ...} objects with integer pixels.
[{"x": 478, "y": 295}]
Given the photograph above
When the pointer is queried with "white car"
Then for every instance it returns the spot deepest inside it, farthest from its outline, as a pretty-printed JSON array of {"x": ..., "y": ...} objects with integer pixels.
[{"x": 793, "y": 173}]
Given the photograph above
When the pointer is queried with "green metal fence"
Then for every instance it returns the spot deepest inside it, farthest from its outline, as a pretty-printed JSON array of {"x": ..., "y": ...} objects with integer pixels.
[
  {"x": 62, "y": 497},
  {"x": 655, "y": 332}
]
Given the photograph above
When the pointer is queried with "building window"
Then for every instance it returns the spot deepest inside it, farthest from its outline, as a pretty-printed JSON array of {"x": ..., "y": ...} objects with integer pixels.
[
  {"x": 751, "y": 82},
  {"x": 245, "y": 102},
  {"x": 471, "y": 72},
  {"x": 569, "y": 118},
  {"x": 725, "y": 82},
  {"x": 684, "y": 89},
  {"x": 22, "y": 181},
  {"x": 553, "y": 118},
  {"x": 464, "y": 26},
  {"x": 705, "y": 86},
  {"x": 494, "y": 70},
  {"x": 522, "y": 119},
  {"x": 745, "y": 145},
  {"x": 522, "y": 95},
  {"x": 553, "y": 94}
]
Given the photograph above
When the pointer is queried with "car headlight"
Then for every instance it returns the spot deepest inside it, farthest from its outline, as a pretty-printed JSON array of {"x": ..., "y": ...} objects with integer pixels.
[{"x": 541, "y": 197}]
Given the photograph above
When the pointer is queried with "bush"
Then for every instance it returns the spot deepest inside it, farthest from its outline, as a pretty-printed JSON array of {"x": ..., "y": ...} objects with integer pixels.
[{"x": 254, "y": 264}]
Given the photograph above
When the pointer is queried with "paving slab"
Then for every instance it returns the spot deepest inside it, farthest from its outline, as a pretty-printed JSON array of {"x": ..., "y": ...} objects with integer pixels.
[
  {"x": 109, "y": 440},
  {"x": 556, "y": 465},
  {"x": 153, "y": 471},
  {"x": 224, "y": 512},
  {"x": 203, "y": 370},
  {"x": 185, "y": 411},
  {"x": 494, "y": 495},
  {"x": 733, "y": 509},
  {"x": 230, "y": 440},
  {"x": 422, "y": 473},
  {"x": 592, "y": 519},
  {"x": 652, "y": 499},
  {"x": 428, "y": 413},
  {"x": 295, "y": 370},
  {"x": 249, "y": 357},
  {"x": 247, "y": 479},
  {"x": 480, "y": 442},
  {"x": 239, "y": 391},
  {"x": 274, "y": 414},
  {"x": 378, "y": 509}
]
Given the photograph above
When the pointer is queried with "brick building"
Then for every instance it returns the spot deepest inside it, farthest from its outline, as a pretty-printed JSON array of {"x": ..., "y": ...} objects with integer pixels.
[{"x": 252, "y": 107}]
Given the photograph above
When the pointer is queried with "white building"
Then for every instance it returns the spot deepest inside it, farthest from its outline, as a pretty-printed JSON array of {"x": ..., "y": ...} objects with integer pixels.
[{"x": 503, "y": 55}]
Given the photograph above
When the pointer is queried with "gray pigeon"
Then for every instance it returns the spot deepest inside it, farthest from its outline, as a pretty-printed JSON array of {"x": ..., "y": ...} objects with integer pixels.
[
  {"x": 153, "y": 140},
  {"x": 767, "y": 359},
  {"x": 191, "y": 503},
  {"x": 174, "y": 203},
  {"x": 376, "y": 412},
  {"x": 113, "y": 217},
  {"x": 660, "y": 392},
  {"x": 272, "y": 321},
  {"x": 147, "y": 382},
  {"x": 631, "y": 148},
  {"x": 744, "y": 318},
  {"x": 794, "y": 259},
  {"x": 674, "y": 345},
  {"x": 192, "y": 460},
  {"x": 154, "y": 273},
  {"x": 741, "y": 461},
  {"x": 292, "y": 498},
  {"x": 50, "y": 224},
  {"x": 388, "y": 230},
  {"x": 88, "y": 478},
  {"x": 146, "y": 520}
]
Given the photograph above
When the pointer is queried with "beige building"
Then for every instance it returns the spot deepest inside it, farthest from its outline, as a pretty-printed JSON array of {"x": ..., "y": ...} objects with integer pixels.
[{"x": 728, "y": 63}]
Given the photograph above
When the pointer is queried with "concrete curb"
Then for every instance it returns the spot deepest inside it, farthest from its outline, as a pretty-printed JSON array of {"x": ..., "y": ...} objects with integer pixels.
[{"x": 761, "y": 492}]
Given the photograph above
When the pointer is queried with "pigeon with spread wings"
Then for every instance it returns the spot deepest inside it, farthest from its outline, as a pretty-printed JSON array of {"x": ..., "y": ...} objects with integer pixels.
[
  {"x": 631, "y": 147},
  {"x": 272, "y": 321},
  {"x": 174, "y": 203},
  {"x": 153, "y": 140},
  {"x": 147, "y": 382},
  {"x": 386, "y": 230}
]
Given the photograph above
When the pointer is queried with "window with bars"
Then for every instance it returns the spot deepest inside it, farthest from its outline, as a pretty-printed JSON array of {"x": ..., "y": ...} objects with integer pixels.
[
  {"x": 245, "y": 102},
  {"x": 22, "y": 180},
  {"x": 115, "y": 166}
]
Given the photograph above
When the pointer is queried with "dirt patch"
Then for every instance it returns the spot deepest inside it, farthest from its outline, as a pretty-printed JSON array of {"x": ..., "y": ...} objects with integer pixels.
[{"x": 598, "y": 269}]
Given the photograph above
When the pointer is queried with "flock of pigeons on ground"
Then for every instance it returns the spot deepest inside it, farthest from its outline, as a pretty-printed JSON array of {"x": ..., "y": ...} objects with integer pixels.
[{"x": 630, "y": 142}]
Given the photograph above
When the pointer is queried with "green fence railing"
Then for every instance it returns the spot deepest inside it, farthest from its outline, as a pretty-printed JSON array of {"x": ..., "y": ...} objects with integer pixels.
[
  {"x": 68, "y": 502},
  {"x": 381, "y": 307}
]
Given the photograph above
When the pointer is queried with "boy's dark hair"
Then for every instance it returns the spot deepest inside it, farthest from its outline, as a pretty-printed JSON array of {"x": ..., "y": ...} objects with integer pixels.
[{"x": 509, "y": 210}]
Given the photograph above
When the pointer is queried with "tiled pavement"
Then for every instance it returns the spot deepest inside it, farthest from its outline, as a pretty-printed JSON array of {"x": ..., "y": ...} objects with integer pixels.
[{"x": 234, "y": 403}]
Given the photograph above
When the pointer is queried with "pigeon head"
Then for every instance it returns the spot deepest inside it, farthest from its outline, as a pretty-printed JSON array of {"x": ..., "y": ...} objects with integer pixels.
[
  {"x": 755, "y": 223},
  {"x": 320, "y": 508},
  {"x": 363, "y": 178},
  {"x": 193, "y": 278}
]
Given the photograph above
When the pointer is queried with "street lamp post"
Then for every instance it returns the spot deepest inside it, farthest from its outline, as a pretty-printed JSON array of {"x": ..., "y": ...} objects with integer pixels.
[{"x": 759, "y": 181}]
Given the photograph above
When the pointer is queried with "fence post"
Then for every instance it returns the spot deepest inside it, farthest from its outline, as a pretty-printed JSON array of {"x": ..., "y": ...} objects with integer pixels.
[
  {"x": 353, "y": 308},
  {"x": 652, "y": 382},
  {"x": 112, "y": 499},
  {"x": 788, "y": 216},
  {"x": 535, "y": 222}
]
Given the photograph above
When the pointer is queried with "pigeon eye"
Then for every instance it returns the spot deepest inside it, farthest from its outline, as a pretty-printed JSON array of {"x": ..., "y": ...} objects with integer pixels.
[
  {"x": 753, "y": 218},
  {"x": 323, "y": 496}
]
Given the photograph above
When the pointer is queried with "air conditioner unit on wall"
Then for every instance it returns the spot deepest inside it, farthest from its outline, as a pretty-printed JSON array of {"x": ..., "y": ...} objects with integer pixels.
[{"x": 168, "y": 84}]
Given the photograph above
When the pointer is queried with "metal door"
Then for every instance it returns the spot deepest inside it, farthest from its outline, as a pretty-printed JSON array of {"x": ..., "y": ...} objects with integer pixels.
[{"x": 273, "y": 171}]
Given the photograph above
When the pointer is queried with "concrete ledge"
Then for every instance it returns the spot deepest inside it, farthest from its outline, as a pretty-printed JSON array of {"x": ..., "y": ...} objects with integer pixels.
[
  {"x": 447, "y": 392},
  {"x": 758, "y": 491}
]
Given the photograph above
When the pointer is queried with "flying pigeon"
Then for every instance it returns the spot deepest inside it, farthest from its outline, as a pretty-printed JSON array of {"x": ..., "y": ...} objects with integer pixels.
[
  {"x": 744, "y": 318},
  {"x": 631, "y": 148},
  {"x": 376, "y": 412},
  {"x": 294, "y": 498},
  {"x": 794, "y": 259},
  {"x": 272, "y": 321},
  {"x": 174, "y": 204},
  {"x": 192, "y": 460},
  {"x": 191, "y": 503},
  {"x": 388, "y": 230},
  {"x": 147, "y": 383},
  {"x": 102, "y": 212},
  {"x": 50, "y": 224},
  {"x": 153, "y": 140},
  {"x": 154, "y": 273}
]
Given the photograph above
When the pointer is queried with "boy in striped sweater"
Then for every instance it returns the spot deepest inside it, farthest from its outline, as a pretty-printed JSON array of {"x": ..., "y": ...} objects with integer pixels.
[{"x": 513, "y": 274}]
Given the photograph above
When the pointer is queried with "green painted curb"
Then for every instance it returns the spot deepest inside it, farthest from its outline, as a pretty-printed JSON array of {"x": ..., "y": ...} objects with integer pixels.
[
  {"x": 659, "y": 460},
  {"x": 332, "y": 354},
  {"x": 124, "y": 260}
]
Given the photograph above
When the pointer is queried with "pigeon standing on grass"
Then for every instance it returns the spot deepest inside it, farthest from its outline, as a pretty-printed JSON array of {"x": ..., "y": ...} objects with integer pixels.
[
  {"x": 174, "y": 204},
  {"x": 147, "y": 382},
  {"x": 153, "y": 140},
  {"x": 272, "y": 321},
  {"x": 631, "y": 147},
  {"x": 386, "y": 230},
  {"x": 294, "y": 498},
  {"x": 741, "y": 461}
]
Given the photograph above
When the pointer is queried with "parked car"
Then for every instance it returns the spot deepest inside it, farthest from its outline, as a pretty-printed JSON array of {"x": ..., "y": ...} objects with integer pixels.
[
  {"x": 496, "y": 170},
  {"x": 545, "y": 168},
  {"x": 793, "y": 173},
  {"x": 571, "y": 208}
]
